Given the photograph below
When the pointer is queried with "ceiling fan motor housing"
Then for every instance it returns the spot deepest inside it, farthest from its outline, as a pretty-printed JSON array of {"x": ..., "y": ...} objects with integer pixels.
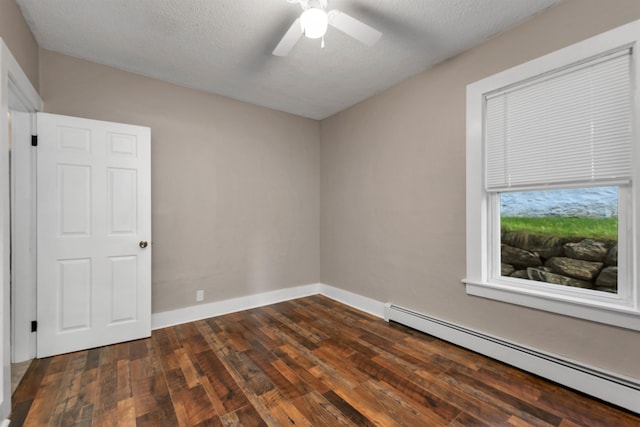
[{"x": 310, "y": 4}]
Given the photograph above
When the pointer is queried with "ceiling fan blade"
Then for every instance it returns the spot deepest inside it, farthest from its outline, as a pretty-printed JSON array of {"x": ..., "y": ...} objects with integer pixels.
[
  {"x": 354, "y": 28},
  {"x": 289, "y": 39}
]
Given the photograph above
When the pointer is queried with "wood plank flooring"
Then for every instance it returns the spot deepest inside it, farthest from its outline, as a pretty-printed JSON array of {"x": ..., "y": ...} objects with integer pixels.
[{"x": 307, "y": 362}]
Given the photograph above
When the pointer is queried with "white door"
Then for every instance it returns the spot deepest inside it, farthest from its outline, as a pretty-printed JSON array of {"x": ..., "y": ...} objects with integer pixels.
[{"x": 94, "y": 233}]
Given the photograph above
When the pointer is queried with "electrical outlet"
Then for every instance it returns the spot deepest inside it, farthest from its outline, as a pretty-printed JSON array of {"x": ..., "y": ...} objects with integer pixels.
[{"x": 199, "y": 295}]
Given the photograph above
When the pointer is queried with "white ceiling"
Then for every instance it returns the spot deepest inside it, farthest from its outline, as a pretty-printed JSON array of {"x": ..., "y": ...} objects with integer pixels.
[{"x": 224, "y": 46}]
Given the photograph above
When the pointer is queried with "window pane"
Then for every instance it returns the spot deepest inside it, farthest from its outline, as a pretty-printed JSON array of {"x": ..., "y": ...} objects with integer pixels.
[{"x": 564, "y": 237}]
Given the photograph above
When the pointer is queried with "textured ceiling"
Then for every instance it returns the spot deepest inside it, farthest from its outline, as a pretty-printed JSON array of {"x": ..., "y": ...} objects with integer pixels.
[{"x": 224, "y": 46}]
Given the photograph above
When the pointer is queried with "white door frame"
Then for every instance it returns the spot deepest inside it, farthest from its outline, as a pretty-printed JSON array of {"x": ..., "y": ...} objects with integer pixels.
[
  {"x": 15, "y": 90},
  {"x": 23, "y": 235}
]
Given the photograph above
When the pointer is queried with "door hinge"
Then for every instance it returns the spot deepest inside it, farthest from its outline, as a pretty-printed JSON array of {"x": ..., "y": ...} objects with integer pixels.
[
  {"x": 34, "y": 326},
  {"x": 34, "y": 140}
]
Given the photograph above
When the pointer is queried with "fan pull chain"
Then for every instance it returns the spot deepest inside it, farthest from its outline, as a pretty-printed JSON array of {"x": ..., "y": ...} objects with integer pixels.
[{"x": 322, "y": 43}]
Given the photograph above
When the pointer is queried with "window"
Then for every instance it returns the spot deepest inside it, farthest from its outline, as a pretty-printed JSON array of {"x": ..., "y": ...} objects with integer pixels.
[
  {"x": 563, "y": 237},
  {"x": 552, "y": 159}
]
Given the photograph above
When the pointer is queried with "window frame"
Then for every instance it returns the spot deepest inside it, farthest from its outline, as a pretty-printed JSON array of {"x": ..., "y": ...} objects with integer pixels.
[{"x": 483, "y": 210}]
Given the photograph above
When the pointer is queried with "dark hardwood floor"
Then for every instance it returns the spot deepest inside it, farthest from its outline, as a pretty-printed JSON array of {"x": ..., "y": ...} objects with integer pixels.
[{"x": 308, "y": 362}]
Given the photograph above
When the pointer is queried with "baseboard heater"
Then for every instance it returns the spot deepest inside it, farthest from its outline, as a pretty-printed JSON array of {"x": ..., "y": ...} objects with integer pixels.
[{"x": 618, "y": 390}]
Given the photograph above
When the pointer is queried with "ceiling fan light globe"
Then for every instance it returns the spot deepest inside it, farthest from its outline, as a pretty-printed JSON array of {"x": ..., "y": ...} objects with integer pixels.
[{"x": 314, "y": 23}]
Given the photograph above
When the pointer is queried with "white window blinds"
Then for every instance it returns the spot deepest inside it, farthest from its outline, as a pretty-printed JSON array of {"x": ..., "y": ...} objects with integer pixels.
[{"x": 572, "y": 126}]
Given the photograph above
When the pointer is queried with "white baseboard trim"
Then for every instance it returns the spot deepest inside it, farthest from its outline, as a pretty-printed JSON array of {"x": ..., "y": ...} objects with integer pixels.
[
  {"x": 608, "y": 386},
  {"x": 203, "y": 311},
  {"x": 368, "y": 305},
  {"x": 218, "y": 308}
]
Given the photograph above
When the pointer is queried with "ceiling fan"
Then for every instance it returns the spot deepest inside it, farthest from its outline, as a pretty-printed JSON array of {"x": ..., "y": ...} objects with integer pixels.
[{"x": 313, "y": 24}]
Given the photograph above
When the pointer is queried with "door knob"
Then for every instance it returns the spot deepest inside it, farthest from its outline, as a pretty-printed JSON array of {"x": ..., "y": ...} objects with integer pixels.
[{"x": 143, "y": 244}]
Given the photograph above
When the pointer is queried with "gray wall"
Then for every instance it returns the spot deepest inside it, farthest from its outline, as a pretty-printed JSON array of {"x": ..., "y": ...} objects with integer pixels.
[
  {"x": 17, "y": 36},
  {"x": 393, "y": 193},
  {"x": 235, "y": 188}
]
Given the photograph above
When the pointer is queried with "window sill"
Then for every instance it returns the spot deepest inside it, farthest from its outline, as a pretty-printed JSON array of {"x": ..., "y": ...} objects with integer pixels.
[{"x": 608, "y": 313}]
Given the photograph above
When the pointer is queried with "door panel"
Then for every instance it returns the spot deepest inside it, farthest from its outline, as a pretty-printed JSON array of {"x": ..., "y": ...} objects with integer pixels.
[
  {"x": 73, "y": 140},
  {"x": 122, "y": 145},
  {"x": 74, "y": 200},
  {"x": 122, "y": 201},
  {"x": 122, "y": 285},
  {"x": 94, "y": 207},
  {"x": 74, "y": 294}
]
